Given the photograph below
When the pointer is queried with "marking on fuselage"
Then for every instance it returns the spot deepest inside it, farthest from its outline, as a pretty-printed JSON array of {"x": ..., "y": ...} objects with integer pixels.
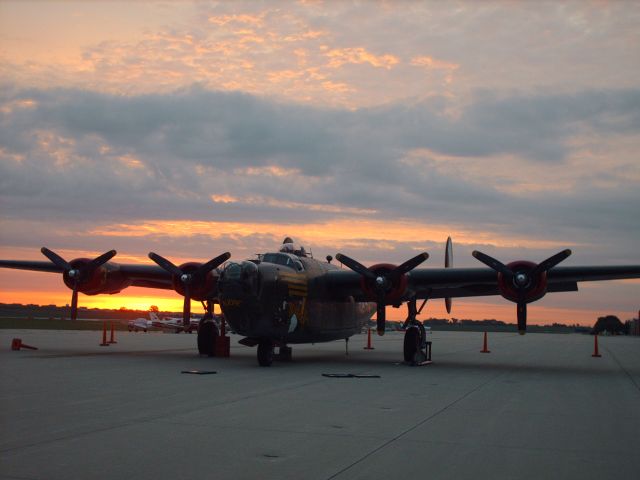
[
  {"x": 298, "y": 291},
  {"x": 231, "y": 302}
]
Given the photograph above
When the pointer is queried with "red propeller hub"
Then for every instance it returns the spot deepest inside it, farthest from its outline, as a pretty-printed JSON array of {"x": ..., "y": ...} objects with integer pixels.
[
  {"x": 535, "y": 286},
  {"x": 198, "y": 290},
  {"x": 394, "y": 292},
  {"x": 89, "y": 281}
]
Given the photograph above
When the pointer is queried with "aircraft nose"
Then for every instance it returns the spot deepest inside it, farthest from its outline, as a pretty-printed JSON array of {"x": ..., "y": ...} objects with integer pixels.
[{"x": 239, "y": 278}]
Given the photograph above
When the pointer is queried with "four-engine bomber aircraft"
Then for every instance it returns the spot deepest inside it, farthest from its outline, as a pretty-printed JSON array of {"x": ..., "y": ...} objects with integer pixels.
[{"x": 288, "y": 297}]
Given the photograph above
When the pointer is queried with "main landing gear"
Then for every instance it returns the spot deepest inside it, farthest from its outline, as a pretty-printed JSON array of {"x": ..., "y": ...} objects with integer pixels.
[
  {"x": 417, "y": 350},
  {"x": 207, "y": 333}
]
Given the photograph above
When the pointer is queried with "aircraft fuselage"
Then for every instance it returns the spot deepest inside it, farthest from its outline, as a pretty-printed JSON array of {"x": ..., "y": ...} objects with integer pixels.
[{"x": 282, "y": 298}]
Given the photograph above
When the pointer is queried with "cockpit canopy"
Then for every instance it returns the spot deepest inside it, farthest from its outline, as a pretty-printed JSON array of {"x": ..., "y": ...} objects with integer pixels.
[
  {"x": 286, "y": 259},
  {"x": 288, "y": 246}
]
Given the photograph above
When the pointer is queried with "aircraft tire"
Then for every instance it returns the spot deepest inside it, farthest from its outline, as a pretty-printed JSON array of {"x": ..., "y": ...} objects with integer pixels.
[
  {"x": 265, "y": 353},
  {"x": 411, "y": 344},
  {"x": 207, "y": 334}
]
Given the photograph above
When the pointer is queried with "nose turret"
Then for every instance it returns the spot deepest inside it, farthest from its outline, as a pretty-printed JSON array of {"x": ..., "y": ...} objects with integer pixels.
[{"x": 239, "y": 278}]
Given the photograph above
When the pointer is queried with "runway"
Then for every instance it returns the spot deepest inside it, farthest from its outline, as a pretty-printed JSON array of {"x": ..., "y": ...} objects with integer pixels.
[{"x": 538, "y": 406}]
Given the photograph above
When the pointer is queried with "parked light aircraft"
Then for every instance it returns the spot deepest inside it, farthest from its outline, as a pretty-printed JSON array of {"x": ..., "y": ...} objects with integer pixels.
[
  {"x": 139, "y": 324},
  {"x": 169, "y": 324},
  {"x": 174, "y": 324},
  {"x": 286, "y": 296}
]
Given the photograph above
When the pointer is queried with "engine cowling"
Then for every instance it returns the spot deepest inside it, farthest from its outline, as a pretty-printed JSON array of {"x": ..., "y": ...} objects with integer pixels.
[
  {"x": 192, "y": 279},
  {"x": 94, "y": 281},
  {"x": 202, "y": 289},
  {"x": 394, "y": 291},
  {"x": 88, "y": 276},
  {"x": 383, "y": 282},
  {"x": 536, "y": 286},
  {"x": 522, "y": 282}
]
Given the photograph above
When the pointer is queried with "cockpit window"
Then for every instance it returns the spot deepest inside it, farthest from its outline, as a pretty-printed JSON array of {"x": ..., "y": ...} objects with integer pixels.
[{"x": 283, "y": 259}]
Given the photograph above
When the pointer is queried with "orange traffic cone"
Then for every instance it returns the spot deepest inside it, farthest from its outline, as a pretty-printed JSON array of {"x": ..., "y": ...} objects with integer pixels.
[
  {"x": 484, "y": 347},
  {"x": 112, "y": 339},
  {"x": 16, "y": 344},
  {"x": 104, "y": 335},
  {"x": 595, "y": 346},
  {"x": 369, "y": 347}
]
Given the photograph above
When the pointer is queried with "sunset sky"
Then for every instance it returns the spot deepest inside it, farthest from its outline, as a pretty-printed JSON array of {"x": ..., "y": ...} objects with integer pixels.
[{"x": 375, "y": 129}]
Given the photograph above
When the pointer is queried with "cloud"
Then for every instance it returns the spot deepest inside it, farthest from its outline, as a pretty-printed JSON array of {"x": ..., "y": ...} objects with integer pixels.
[{"x": 82, "y": 155}]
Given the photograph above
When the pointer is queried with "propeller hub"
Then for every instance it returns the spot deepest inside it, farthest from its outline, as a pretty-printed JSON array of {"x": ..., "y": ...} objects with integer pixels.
[
  {"x": 73, "y": 273},
  {"x": 380, "y": 281},
  {"x": 521, "y": 279},
  {"x": 185, "y": 278}
]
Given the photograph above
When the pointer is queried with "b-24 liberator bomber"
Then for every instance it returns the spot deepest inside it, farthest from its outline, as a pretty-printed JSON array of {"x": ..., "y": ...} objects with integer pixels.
[{"x": 287, "y": 296}]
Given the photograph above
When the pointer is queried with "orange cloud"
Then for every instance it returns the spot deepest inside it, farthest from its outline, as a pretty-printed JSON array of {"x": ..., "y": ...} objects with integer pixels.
[
  {"x": 223, "y": 199},
  {"x": 434, "y": 64},
  {"x": 245, "y": 19},
  {"x": 359, "y": 55},
  {"x": 339, "y": 233}
]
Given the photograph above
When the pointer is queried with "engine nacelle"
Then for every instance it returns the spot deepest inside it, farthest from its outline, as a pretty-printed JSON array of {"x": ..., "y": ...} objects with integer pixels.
[
  {"x": 103, "y": 279},
  {"x": 535, "y": 287},
  {"x": 395, "y": 291},
  {"x": 200, "y": 290}
]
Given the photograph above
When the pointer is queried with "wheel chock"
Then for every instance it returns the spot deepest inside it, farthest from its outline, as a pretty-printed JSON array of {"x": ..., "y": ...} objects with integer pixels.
[{"x": 16, "y": 344}]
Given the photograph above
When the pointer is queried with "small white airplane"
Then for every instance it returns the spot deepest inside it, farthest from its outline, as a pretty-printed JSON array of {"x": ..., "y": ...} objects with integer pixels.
[
  {"x": 173, "y": 323},
  {"x": 139, "y": 324}
]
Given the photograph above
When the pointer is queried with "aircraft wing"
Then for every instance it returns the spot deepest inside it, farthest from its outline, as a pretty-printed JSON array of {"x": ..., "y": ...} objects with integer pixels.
[
  {"x": 31, "y": 265},
  {"x": 99, "y": 275},
  {"x": 471, "y": 282},
  {"x": 150, "y": 276},
  {"x": 520, "y": 282}
]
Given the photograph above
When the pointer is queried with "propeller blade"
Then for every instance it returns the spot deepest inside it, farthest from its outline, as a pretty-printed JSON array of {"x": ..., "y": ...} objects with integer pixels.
[
  {"x": 448, "y": 263},
  {"x": 356, "y": 266},
  {"x": 381, "y": 318},
  {"x": 165, "y": 264},
  {"x": 213, "y": 263},
  {"x": 551, "y": 262},
  {"x": 102, "y": 259},
  {"x": 522, "y": 317},
  {"x": 448, "y": 304},
  {"x": 74, "y": 302},
  {"x": 186, "y": 309},
  {"x": 56, "y": 259},
  {"x": 492, "y": 263},
  {"x": 408, "y": 266}
]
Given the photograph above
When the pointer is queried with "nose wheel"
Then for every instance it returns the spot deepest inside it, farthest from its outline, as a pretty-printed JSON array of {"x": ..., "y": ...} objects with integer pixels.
[{"x": 265, "y": 353}]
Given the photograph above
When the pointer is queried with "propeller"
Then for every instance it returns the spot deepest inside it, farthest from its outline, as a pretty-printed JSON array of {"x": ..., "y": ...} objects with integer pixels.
[
  {"x": 382, "y": 279},
  {"x": 78, "y": 273},
  {"x": 448, "y": 263},
  {"x": 189, "y": 278},
  {"x": 522, "y": 282}
]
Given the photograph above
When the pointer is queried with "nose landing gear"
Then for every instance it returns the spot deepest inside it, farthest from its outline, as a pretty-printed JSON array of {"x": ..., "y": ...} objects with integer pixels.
[
  {"x": 266, "y": 352},
  {"x": 417, "y": 350}
]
